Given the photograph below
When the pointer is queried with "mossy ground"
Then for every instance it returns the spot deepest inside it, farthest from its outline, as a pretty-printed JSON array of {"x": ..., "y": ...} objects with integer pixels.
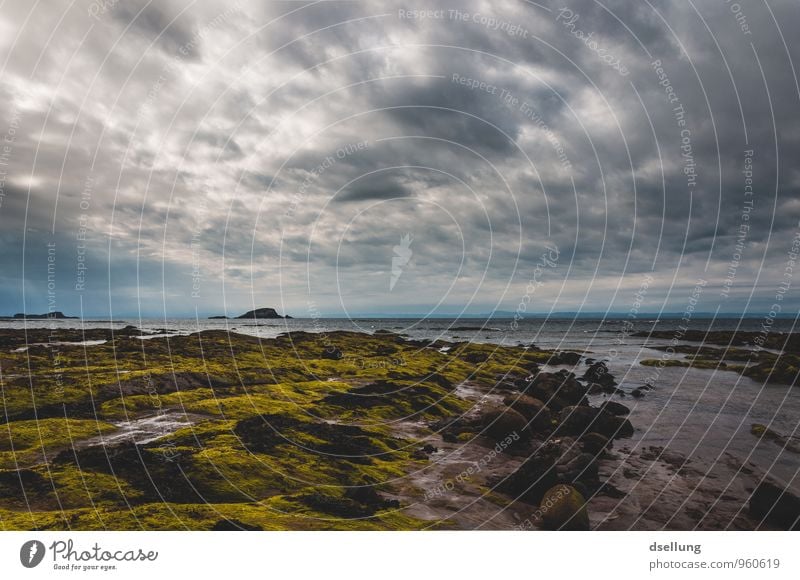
[{"x": 335, "y": 417}]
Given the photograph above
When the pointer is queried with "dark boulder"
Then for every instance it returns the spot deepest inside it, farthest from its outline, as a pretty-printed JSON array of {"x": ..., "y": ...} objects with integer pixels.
[
  {"x": 581, "y": 468},
  {"x": 564, "y": 508},
  {"x": 499, "y": 423},
  {"x": 577, "y": 420},
  {"x": 531, "y": 480},
  {"x": 558, "y": 390},
  {"x": 618, "y": 427},
  {"x": 532, "y": 409},
  {"x": 598, "y": 373},
  {"x": 594, "y": 443},
  {"x": 615, "y": 408},
  {"x": 776, "y": 506},
  {"x": 564, "y": 358}
]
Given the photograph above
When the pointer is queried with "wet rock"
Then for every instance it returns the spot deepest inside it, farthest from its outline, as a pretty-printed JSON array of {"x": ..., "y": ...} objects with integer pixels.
[
  {"x": 580, "y": 468},
  {"x": 532, "y": 409},
  {"x": 564, "y": 358},
  {"x": 531, "y": 480},
  {"x": 425, "y": 451},
  {"x": 776, "y": 506},
  {"x": 598, "y": 373},
  {"x": 764, "y": 432},
  {"x": 499, "y": 423},
  {"x": 577, "y": 420},
  {"x": 615, "y": 408},
  {"x": 558, "y": 390},
  {"x": 564, "y": 508},
  {"x": 594, "y": 443},
  {"x": 618, "y": 427},
  {"x": 785, "y": 369}
]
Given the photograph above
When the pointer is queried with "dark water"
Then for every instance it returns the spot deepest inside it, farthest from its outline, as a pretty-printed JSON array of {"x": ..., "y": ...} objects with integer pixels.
[{"x": 703, "y": 414}]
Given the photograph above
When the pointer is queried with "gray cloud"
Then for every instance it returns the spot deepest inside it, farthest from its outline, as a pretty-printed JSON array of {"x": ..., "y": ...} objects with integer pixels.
[{"x": 208, "y": 143}]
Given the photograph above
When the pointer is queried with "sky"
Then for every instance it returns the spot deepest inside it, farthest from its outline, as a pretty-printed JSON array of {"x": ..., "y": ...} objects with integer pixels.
[{"x": 178, "y": 158}]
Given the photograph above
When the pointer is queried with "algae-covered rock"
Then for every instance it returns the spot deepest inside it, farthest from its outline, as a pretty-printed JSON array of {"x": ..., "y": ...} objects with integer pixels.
[
  {"x": 564, "y": 508},
  {"x": 500, "y": 423},
  {"x": 532, "y": 409}
]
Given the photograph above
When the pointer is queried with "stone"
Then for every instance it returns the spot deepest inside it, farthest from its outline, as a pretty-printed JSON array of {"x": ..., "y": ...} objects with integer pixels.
[
  {"x": 564, "y": 508},
  {"x": 776, "y": 506}
]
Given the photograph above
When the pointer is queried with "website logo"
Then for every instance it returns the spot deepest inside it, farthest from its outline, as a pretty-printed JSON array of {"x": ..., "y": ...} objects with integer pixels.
[
  {"x": 31, "y": 553},
  {"x": 402, "y": 255}
]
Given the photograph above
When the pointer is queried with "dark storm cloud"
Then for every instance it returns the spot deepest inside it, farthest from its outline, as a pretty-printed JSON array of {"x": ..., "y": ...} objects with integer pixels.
[
  {"x": 470, "y": 142},
  {"x": 374, "y": 188}
]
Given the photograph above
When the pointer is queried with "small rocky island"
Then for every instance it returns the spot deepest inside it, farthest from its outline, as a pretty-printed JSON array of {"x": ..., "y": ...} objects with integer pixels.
[
  {"x": 22, "y": 316},
  {"x": 257, "y": 314}
]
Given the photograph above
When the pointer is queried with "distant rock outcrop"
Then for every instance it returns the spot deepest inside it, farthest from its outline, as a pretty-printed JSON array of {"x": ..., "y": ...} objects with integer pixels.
[
  {"x": 59, "y": 315},
  {"x": 257, "y": 314}
]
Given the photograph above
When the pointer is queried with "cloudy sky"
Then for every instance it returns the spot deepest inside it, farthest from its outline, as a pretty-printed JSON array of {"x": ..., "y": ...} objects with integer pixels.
[{"x": 349, "y": 158}]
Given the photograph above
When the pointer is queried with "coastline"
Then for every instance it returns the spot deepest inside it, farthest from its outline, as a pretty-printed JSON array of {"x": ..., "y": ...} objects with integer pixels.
[{"x": 631, "y": 485}]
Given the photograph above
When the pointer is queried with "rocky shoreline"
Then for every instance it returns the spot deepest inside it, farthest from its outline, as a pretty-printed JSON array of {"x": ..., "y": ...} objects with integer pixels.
[{"x": 337, "y": 430}]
